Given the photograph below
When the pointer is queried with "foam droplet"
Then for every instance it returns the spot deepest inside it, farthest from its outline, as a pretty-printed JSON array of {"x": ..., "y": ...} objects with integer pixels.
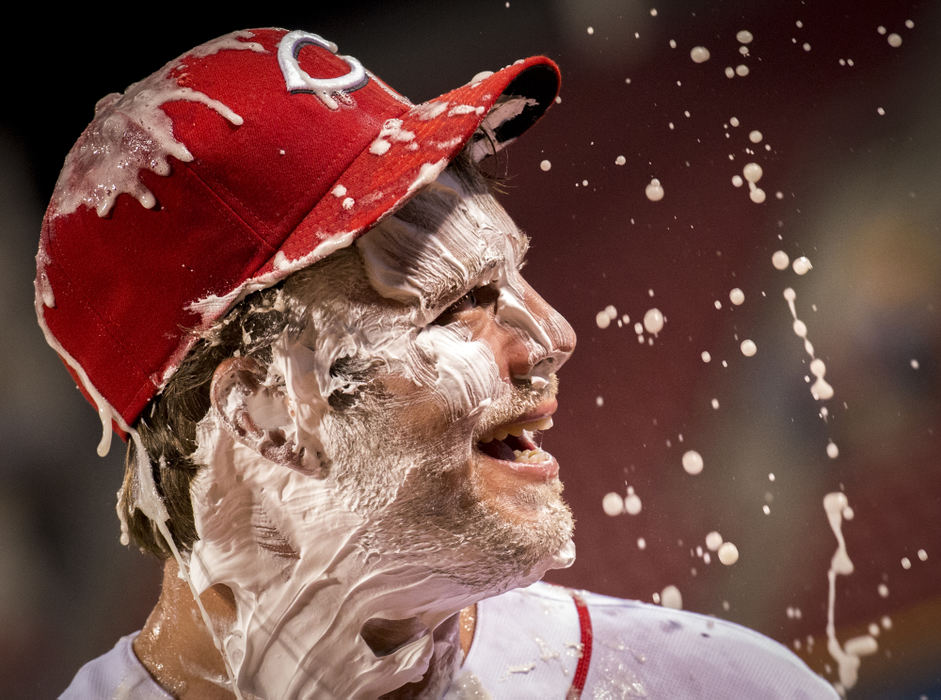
[
  {"x": 802, "y": 265},
  {"x": 602, "y": 320},
  {"x": 632, "y": 504},
  {"x": 705, "y": 356},
  {"x": 692, "y": 462},
  {"x": 699, "y": 54},
  {"x": 654, "y": 190},
  {"x": 755, "y": 136},
  {"x": 737, "y": 296},
  {"x": 780, "y": 260},
  {"x": 671, "y": 597},
  {"x": 713, "y": 541},
  {"x": 728, "y": 553},
  {"x": 752, "y": 172},
  {"x": 832, "y": 450},
  {"x": 612, "y": 504},
  {"x": 545, "y": 166},
  {"x": 620, "y": 160},
  {"x": 894, "y": 40},
  {"x": 653, "y": 321},
  {"x": 906, "y": 563},
  {"x": 748, "y": 347},
  {"x": 744, "y": 36}
]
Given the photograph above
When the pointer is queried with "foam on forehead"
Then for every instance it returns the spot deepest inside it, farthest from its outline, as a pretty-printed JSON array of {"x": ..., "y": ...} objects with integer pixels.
[{"x": 451, "y": 235}]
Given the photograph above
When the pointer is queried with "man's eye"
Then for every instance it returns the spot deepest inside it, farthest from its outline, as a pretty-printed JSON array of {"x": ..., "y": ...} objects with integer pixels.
[
  {"x": 465, "y": 303},
  {"x": 485, "y": 296}
]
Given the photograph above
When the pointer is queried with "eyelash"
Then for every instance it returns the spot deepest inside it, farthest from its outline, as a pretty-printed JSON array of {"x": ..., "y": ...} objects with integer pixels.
[{"x": 479, "y": 296}]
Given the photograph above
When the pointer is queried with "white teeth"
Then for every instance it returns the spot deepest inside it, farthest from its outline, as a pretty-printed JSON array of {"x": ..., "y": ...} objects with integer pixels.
[
  {"x": 517, "y": 429},
  {"x": 531, "y": 456},
  {"x": 543, "y": 424}
]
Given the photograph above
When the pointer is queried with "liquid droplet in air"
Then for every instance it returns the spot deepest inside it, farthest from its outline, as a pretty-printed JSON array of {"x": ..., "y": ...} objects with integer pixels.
[
  {"x": 737, "y": 296},
  {"x": 713, "y": 541},
  {"x": 692, "y": 462},
  {"x": 894, "y": 40},
  {"x": 653, "y": 321},
  {"x": 744, "y": 36},
  {"x": 752, "y": 172},
  {"x": 832, "y": 450},
  {"x": 748, "y": 347},
  {"x": 802, "y": 265},
  {"x": 671, "y": 597},
  {"x": 780, "y": 260},
  {"x": 632, "y": 504},
  {"x": 612, "y": 504},
  {"x": 654, "y": 190},
  {"x": 728, "y": 553},
  {"x": 545, "y": 166},
  {"x": 699, "y": 54}
]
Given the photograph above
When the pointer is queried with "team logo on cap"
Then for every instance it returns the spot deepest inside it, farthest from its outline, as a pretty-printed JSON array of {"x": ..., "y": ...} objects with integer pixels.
[{"x": 298, "y": 80}]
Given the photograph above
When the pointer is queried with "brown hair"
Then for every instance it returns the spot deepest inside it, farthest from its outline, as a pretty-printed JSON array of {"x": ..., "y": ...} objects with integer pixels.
[{"x": 168, "y": 429}]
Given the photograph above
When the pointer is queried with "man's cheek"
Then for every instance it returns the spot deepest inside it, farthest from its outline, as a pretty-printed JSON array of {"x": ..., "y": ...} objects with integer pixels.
[{"x": 464, "y": 372}]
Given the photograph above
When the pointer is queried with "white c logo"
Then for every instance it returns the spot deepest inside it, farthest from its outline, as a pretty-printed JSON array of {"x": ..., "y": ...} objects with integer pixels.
[{"x": 296, "y": 78}]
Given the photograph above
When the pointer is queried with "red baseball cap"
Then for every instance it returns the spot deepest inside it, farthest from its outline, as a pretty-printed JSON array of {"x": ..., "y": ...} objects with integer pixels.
[{"x": 244, "y": 160}]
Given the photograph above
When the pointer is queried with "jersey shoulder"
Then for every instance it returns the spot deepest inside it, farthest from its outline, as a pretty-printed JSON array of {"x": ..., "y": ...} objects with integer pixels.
[
  {"x": 536, "y": 637},
  {"x": 115, "y": 674}
]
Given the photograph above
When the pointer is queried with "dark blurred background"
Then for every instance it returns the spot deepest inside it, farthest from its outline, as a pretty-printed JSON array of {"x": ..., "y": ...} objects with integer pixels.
[{"x": 850, "y": 146}]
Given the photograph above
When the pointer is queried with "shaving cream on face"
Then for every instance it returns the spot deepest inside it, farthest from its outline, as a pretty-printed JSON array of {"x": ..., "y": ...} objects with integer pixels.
[{"x": 383, "y": 523}]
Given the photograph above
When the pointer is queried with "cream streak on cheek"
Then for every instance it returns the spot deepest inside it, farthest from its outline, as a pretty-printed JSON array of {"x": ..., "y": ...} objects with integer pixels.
[{"x": 466, "y": 371}]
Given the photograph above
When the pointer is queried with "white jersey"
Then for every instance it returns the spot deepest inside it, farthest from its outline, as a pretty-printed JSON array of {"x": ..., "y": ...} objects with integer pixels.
[{"x": 550, "y": 642}]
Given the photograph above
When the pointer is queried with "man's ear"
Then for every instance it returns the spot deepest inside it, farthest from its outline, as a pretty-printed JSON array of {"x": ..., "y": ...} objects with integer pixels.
[{"x": 257, "y": 415}]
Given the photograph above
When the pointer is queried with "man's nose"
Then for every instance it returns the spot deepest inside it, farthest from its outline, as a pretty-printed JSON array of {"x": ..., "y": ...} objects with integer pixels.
[{"x": 538, "y": 340}]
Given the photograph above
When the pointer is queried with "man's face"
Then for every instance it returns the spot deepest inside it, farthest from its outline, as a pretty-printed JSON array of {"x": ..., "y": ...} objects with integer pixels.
[
  {"x": 409, "y": 482},
  {"x": 439, "y": 445}
]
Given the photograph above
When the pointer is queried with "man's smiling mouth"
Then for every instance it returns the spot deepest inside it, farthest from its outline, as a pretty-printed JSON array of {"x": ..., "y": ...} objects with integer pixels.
[{"x": 513, "y": 445}]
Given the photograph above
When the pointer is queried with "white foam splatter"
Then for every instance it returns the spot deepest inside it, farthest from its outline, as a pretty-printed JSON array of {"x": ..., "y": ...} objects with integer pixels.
[
  {"x": 699, "y": 54},
  {"x": 131, "y": 133},
  {"x": 654, "y": 190},
  {"x": 692, "y": 462}
]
